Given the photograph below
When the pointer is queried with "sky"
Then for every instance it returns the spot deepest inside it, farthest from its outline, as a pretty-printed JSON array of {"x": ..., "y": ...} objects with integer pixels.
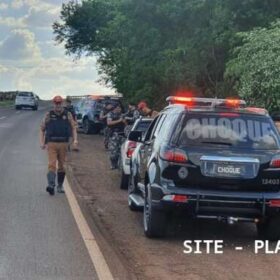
[{"x": 30, "y": 59}]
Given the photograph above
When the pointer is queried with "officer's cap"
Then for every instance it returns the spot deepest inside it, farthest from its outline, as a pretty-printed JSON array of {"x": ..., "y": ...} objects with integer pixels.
[{"x": 57, "y": 99}]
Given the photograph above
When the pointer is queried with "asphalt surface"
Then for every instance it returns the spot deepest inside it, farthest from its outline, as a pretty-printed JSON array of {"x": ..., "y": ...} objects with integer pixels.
[{"x": 39, "y": 238}]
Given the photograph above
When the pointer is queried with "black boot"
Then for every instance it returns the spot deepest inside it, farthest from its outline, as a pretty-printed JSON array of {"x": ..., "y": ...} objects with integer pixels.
[
  {"x": 60, "y": 180},
  {"x": 51, "y": 182}
]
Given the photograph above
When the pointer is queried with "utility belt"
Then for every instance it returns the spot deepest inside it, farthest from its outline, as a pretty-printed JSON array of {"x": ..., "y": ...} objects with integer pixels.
[{"x": 58, "y": 139}]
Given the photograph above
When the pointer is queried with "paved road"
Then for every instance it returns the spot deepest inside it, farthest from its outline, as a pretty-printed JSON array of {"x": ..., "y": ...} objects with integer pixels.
[{"x": 38, "y": 235}]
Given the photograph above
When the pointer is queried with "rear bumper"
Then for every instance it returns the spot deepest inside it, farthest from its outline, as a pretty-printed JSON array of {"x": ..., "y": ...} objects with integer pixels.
[
  {"x": 126, "y": 165},
  {"x": 26, "y": 104},
  {"x": 207, "y": 203}
]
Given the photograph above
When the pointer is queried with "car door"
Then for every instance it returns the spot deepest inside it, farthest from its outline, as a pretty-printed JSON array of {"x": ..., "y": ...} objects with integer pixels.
[{"x": 147, "y": 147}]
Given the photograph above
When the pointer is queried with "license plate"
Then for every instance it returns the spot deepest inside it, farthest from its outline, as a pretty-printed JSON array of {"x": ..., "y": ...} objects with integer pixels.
[
  {"x": 228, "y": 170},
  {"x": 229, "y": 167},
  {"x": 213, "y": 169}
]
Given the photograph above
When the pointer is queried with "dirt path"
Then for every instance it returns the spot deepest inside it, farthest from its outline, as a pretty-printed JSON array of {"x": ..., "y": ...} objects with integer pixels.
[{"x": 132, "y": 256}]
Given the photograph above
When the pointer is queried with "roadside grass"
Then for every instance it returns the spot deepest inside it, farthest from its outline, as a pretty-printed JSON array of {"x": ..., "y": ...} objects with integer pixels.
[{"x": 6, "y": 103}]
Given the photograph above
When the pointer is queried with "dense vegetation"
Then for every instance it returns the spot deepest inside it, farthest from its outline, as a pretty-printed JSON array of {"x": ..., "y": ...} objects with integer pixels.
[{"x": 148, "y": 49}]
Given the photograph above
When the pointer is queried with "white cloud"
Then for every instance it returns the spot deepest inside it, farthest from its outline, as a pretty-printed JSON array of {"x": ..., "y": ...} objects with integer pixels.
[
  {"x": 69, "y": 86},
  {"x": 24, "y": 85},
  {"x": 3, "y": 69},
  {"x": 31, "y": 61},
  {"x": 41, "y": 17},
  {"x": 12, "y": 22},
  {"x": 17, "y": 4},
  {"x": 39, "y": 4},
  {"x": 3, "y": 6},
  {"x": 20, "y": 45}
]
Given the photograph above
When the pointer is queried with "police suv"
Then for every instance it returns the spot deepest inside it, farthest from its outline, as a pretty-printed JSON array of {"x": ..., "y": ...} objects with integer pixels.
[{"x": 210, "y": 158}]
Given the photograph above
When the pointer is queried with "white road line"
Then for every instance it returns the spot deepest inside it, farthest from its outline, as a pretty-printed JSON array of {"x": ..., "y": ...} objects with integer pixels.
[
  {"x": 97, "y": 258},
  {"x": 2, "y": 118},
  {"x": 238, "y": 248}
]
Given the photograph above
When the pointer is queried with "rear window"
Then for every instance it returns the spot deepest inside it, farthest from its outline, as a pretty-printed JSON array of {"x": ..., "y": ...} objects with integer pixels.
[
  {"x": 229, "y": 129},
  {"x": 142, "y": 126},
  {"x": 25, "y": 94}
]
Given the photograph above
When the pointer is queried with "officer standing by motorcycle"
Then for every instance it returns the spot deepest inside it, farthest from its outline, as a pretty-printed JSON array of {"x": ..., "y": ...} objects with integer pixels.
[
  {"x": 116, "y": 124},
  {"x": 57, "y": 127}
]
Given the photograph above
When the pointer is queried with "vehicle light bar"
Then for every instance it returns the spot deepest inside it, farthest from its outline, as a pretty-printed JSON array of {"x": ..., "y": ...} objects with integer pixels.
[
  {"x": 257, "y": 110},
  {"x": 199, "y": 101}
]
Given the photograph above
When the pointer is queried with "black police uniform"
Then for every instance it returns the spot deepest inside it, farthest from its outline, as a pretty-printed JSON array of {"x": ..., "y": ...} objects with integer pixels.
[{"x": 115, "y": 140}]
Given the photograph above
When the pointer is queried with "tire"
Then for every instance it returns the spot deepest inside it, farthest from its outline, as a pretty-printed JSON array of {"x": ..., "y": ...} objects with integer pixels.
[
  {"x": 35, "y": 108},
  {"x": 86, "y": 126},
  {"x": 124, "y": 181},
  {"x": 18, "y": 107},
  {"x": 269, "y": 229},
  {"x": 154, "y": 219}
]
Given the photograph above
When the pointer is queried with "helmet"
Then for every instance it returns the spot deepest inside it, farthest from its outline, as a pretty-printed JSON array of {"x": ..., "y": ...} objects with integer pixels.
[
  {"x": 57, "y": 99},
  {"x": 142, "y": 105}
]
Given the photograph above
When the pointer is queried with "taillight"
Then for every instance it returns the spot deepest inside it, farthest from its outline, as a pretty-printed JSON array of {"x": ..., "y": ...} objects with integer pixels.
[
  {"x": 275, "y": 162},
  {"x": 180, "y": 198},
  {"x": 176, "y": 198},
  {"x": 274, "y": 203},
  {"x": 130, "y": 148},
  {"x": 173, "y": 155}
]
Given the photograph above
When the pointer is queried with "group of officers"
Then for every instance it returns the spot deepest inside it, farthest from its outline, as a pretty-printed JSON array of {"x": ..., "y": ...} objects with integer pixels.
[
  {"x": 60, "y": 125},
  {"x": 116, "y": 123}
]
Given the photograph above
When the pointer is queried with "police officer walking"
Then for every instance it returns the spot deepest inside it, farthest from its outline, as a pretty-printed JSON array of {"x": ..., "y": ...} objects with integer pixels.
[
  {"x": 57, "y": 126},
  {"x": 116, "y": 124}
]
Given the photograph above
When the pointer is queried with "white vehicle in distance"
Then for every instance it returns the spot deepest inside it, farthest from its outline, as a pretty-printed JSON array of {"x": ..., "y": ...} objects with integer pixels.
[
  {"x": 128, "y": 148},
  {"x": 26, "y": 99}
]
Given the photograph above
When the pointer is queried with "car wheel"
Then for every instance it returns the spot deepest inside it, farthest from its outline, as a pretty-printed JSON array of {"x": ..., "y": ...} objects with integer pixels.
[
  {"x": 269, "y": 229},
  {"x": 34, "y": 108},
  {"x": 124, "y": 181},
  {"x": 154, "y": 219},
  {"x": 86, "y": 126}
]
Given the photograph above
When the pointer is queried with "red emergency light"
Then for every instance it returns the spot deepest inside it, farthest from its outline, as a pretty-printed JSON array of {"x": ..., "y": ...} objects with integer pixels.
[{"x": 212, "y": 102}]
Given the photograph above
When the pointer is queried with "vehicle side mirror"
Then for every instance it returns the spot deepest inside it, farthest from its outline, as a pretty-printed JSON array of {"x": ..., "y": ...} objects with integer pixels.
[{"x": 135, "y": 136}]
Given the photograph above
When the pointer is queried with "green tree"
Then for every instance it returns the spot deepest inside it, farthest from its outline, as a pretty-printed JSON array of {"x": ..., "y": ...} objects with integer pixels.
[
  {"x": 256, "y": 67},
  {"x": 148, "y": 49}
]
